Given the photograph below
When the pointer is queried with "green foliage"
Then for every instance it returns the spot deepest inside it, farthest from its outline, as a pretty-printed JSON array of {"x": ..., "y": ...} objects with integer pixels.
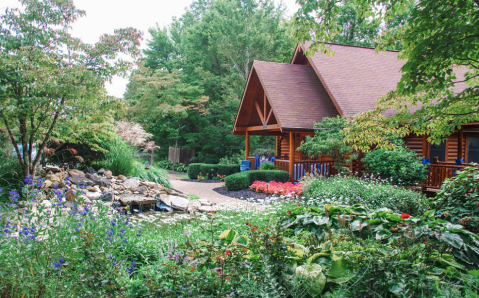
[
  {"x": 458, "y": 198},
  {"x": 211, "y": 170},
  {"x": 10, "y": 173},
  {"x": 329, "y": 141},
  {"x": 440, "y": 74},
  {"x": 120, "y": 158},
  {"x": 245, "y": 179},
  {"x": 234, "y": 159},
  {"x": 43, "y": 64},
  {"x": 370, "y": 192},
  {"x": 206, "y": 54},
  {"x": 401, "y": 166},
  {"x": 153, "y": 174},
  {"x": 268, "y": 167},
  {"x": 377, "y": 247},
  {"x": 164, "y": 164}
]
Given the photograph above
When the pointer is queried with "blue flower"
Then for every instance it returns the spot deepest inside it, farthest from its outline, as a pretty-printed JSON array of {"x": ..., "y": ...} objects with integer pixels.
[
  {"x": 61, "y": 260},
  {"x": 109, "y": 238},
  {"x": 56, "y": 265},
  {"x": 77, "y": 230}
]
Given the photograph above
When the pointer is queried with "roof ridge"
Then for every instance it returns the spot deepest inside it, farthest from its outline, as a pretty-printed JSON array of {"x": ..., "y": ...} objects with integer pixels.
[{"x": 355, "y": 46}]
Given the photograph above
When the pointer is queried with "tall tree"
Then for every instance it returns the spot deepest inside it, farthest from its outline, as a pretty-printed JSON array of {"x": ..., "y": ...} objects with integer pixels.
[
  {"x": 212, "y": 47},
  {"x": 48, "y": 76},
  {"x": 439, "y": 40}
]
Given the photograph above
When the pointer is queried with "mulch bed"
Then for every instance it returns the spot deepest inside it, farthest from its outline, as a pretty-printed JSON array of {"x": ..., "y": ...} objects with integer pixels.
[{"x": 243, "y": 194}]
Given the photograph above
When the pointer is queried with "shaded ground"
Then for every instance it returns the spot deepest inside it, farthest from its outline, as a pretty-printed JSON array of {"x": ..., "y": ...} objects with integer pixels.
[{"x": 242, "y": 194}]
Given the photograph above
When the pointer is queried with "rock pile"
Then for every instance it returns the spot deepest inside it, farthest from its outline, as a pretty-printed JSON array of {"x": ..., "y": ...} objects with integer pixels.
[{"x": 128, "y": 191}]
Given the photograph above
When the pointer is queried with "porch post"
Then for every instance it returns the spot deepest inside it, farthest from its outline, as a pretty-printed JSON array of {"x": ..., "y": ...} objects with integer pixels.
[
  {"x": 461, "y": 145},
  {"x": 291, "y": 156},
  {"x": 246, "y": 149}
]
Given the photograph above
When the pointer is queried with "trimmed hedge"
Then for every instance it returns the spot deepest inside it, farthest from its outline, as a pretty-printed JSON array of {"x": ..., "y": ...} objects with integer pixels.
[
  {"x": 195, "y": 168},
  {"x": 245, "y": 179}
]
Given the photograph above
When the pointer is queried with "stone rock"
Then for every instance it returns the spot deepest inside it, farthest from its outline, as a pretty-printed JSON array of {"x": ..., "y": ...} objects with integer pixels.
[
  {"x": 137, "y": 200},
  {"x": 46, "y": 203},
  {"x": 142, "y": 189},
  {"x": 52, "y": 168},
  {"x": 98, "y": 180},
  {"x": 148, "y": 184},
  {"x": 80, "y": 179},
  {"x": 108, "y": 174},
  {"x": 47, "y": 183},
  {"x": 179, "y": 203},
  {"x": 162, "y": 207},
  {"x": 70, "y": 194},
  {"x": 121, "y": 177},
  {"x": 69, "y": 204},
  {"x": 109, "y": 196},
  {"x": 165, "y": 199},
  {"x": 183, "y": 196},
  {"x": 61, "y": 175},
  {"x": 193, "y": 205},
  {"x": 91, "y": 170},
  {"x": 205, "y": 202},
  {"x": 101, "y": 171},
  {"x": 75, "y": 172},
  {"x": 174, "y": 194},
  {"x": 206, "y": 208},
  {"x": 103, "y": 189},
  {"x": 52, "y": 177},
  {"x": 131, "y": 183},
  {"x": 91, "y": 188},
  {"x": 93, "y": 194}
]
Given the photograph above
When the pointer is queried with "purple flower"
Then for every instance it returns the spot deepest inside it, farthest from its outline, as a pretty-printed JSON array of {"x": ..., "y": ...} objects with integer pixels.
[
  {"x": 77, "y": 230},
  {"x": 61, "y": 260}
]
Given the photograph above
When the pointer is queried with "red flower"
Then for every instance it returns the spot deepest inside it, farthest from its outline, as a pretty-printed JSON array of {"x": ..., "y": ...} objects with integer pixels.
[
  {"x": 192, "y": 270},
  {"x": 289, "y": 212},
  {"x": 228, "y": 253},
  {"x": 219, "y": 271},
  {"x": 247, "y": 223},
  {"x": 404, "y": 216}
]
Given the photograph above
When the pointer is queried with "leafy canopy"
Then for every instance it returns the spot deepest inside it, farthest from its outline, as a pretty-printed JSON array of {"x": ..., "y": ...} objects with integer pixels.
[
  {"x": 49, "y": 78},
  {"x": 329, "y": 141},
  {"x": 438, "y": 90}
]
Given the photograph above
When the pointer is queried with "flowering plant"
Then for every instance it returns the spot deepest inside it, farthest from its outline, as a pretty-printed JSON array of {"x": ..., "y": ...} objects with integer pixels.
[
  {"x": 201, "y": 177},
  {"x": 277, "y": 188}
]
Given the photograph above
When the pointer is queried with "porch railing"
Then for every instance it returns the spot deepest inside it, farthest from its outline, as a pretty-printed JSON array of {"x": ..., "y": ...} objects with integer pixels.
[
  {"x": 302, "y": 168},
  {"x": 437, "y": 173}
]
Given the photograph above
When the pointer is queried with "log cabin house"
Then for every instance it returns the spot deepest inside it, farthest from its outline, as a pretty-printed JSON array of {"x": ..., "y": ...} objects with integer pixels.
[{"x": 284, "y": 100}]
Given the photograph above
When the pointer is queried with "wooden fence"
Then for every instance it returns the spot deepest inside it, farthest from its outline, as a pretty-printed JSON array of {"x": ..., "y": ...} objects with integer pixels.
[{"x": 180, "y": 155}]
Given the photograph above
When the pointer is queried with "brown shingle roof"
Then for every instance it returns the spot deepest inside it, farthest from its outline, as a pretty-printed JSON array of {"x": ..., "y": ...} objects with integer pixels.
[
  {"x": 294, "y": 91},
  {"x": 355, "y": 76}
]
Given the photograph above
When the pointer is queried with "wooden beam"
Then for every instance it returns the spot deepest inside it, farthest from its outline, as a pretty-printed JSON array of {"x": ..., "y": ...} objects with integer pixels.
[
  {"x": 460, "y": 145},
  {"x": 269, "y": 115},
  {"x": 246, "y": 149},
  {"x": 291, "y": 156},
  {"x": 264, "y": 109},
  {"x": 254, "y": 128},
  {"x": 258, "y": 109}
]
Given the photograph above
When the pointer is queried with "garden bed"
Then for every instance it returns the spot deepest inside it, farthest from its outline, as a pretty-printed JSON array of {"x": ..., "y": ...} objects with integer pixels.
[{"x": 242, "y": 194}]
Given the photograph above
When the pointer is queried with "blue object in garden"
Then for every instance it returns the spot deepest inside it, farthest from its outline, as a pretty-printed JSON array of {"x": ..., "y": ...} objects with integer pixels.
[
  {"x": 256, "y": 162},
  {"x": 458, "y": 162},
  {"x": 273, "y": 159},
  {"x": 245, "y": 165},
  {"x": 425, "y": 161}
]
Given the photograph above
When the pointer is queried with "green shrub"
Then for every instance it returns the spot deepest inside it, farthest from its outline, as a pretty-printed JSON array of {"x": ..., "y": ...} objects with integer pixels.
[
  {"x": 268, "y": 167},
  {"x": 233, "y": 159},
  {"x": 245, "y": 179},
  {"x": 401, "y": 166},
  {"x": 10, "y": 173},
  {"x": 372, "y": 193},
  {"x": 164, "y": 164},
  {"x": 194, "y": 170},
  {"x": 211, "y": 170},
  {"x": 458, "y": 198},
  {"x": 120, "y": 158},
  {"x": 154, "y": 174}
]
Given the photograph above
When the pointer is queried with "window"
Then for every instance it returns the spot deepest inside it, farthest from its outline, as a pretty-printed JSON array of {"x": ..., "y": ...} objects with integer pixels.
[
  {"x": 473, "y": 148},
  {"x": 438, "y": 150}
]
